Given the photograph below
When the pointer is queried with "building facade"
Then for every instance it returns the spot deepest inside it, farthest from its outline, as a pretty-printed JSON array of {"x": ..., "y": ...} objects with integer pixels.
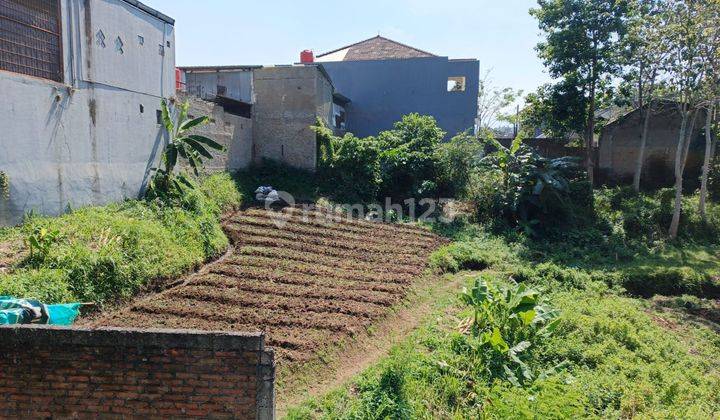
[
  {"x": 386, "y": 80},
  {"x": 82, "y": 82}
]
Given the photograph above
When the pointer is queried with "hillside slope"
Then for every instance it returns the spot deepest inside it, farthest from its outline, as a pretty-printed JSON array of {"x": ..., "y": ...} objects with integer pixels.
[{"x": 307, "y": 282}]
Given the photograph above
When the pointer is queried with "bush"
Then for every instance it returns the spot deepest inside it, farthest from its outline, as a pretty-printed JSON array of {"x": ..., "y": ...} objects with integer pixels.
[
  {"x": 353, "y": 170},
  {"x": 470, "y": 255},
  {"x": 457, "y": 163},
  {"x": 714, "y": 180},
  {"x": 108, "y": 253},
  {"x": 652, "y": 280},
  {"x": 407, "y": 156}
]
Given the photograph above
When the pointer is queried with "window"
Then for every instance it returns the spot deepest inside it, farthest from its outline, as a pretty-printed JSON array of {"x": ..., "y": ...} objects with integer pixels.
[
  {"x": 456, "y": 84},
  {"x": 30, "y": 38}
]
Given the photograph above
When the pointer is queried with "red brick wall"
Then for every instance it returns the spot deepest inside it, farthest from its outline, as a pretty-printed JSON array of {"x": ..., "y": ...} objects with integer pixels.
[{"x": 63, "y": 372}]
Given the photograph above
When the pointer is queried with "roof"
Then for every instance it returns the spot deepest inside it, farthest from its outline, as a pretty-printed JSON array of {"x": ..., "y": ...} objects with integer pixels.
[
  {"x": 218, "y": 68},
  {"x": 375, "y": 48},
  {"x": 149, "y": 10}
]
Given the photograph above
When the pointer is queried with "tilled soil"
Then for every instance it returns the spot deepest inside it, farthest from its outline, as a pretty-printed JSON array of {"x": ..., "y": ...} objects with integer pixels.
[{"x": 306, "y": 283}]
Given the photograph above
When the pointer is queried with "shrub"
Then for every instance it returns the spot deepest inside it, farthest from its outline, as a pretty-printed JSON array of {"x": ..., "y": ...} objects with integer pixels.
[
  {"x": 108, "y": 253},
  {"x": 407, "y": 155},
  {"x": 470, "y": 255},
  {"x": 714, "y": 180},
  {"x": 457, "y": 163},
  {"x": 652, "y": 280},
  {"x": 353, "y": 171},
  {"x": 508, "y": 320}
]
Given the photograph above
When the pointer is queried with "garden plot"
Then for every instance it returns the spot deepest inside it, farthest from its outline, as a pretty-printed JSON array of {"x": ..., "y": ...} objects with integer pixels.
[{"x": 310, "y": 282}]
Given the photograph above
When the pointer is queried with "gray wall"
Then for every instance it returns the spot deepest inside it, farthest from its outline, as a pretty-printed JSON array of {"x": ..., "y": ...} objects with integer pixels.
[
  {"x": 382, "y": 91},
  {"x": 232, "y": 131},
  {"x": 620, "y": 143},
  {"x": 287, "y": 101},
  {"x": 86, "y": 141}
]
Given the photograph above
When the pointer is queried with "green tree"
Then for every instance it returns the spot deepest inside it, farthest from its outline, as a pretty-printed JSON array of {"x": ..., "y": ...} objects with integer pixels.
[
  {"x": 682, "y": 24},
  {"x": 582, "y": 40},
  {"x": 645, "y": 54}
]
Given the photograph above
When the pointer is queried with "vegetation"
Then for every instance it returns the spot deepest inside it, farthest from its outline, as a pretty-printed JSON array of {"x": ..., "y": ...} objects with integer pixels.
[
  {"x": 103, "y": 254},
  {"x": 166, "y": 181}
]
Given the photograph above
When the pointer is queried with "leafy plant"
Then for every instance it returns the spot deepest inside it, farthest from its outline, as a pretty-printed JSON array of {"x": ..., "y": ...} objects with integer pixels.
[
  {"x": 508, "y": 319},
  {"x": 193, "y": 148},
  {"x": 40, "y": 241},
  {"x": 531, "y": 186}
]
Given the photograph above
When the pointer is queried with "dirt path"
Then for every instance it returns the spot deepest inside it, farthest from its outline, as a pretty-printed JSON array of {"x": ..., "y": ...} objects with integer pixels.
[{"x": 366, "y": 349}]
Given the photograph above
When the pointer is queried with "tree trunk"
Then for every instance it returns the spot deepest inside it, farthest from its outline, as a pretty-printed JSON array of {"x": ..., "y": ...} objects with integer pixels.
[
  {"x": 706, "y": 163},
  {"x": 589, "y": 134},
  {"x": 680, "y": 157},
  {"x": 641, "y": 151}
]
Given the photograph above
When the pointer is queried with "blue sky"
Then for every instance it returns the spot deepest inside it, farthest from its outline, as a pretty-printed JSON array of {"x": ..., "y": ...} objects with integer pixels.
[{"x": 500, "y": 33}]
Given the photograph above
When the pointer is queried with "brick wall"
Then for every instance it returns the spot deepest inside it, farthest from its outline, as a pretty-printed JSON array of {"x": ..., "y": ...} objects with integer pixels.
[{"x": 71, "y": 372}]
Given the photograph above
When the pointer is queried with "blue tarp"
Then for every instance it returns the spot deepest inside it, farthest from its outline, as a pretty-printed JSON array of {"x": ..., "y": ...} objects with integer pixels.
[{"x": 30, "y": 311}]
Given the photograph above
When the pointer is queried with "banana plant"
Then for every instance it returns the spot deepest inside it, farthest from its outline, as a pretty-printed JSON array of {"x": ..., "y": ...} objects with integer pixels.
[
  {"x": 181, "y": 145},
  {"x": 508, "y": 319}
]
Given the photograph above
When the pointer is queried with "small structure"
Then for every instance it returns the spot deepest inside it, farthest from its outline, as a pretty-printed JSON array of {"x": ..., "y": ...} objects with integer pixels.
[
  {"x": 619, "y": 146},
  {"x": 266, "y": 112},
  {"x": 81, "y": 83},
  {"x": 386, "y": 80}
]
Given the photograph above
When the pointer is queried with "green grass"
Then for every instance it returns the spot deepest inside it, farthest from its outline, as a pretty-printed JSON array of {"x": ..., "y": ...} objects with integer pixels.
[
  {"x": 105, "y": 254},
  {"x": 621, "y": 364}
]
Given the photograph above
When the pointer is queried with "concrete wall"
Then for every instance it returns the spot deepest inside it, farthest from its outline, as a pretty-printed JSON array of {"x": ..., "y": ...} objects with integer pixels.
[
  {"x": 112, "y": 372},
  {"x": 232, "y": 131},
  {"x": 382, "y": 91},
  {"x": 93, "y": 138},
  {"x": 620, "y": 143},
  {"x": 287, "y": 101}
]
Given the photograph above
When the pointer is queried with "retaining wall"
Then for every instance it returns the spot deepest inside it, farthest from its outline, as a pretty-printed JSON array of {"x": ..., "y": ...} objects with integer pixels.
[{"x": 74, "y": 372}]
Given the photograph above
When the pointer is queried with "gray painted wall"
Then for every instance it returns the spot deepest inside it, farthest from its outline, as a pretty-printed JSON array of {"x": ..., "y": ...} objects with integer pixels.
[
  {"x": 620, "y": 143},
  {"x": 382, "y": 91},
  {"x": 86, "y": 141},
  {"x": 232, "y": 131},
  {"x": 288, "y": 99}
]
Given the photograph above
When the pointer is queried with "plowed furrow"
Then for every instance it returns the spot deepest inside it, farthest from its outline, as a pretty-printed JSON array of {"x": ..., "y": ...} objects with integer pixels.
[
  {"x": 225, "y": 278},
  {"x": 325, "y": 261},
  {"x": 250, "y": 299},
  {"x": 221, "y": 312},
  {"x": 306, "y": 228},
  {"x": 316, "y": 269},
  {"x": 386, "y": 256},
  {"x": 374, "y": 226},
  {"x": 240, "y": 231},
  {"x": 321, "y": 220},
  {"x": 292, "y": 290}
]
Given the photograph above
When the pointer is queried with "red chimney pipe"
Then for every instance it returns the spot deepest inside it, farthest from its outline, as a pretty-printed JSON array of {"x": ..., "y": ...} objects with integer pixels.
[{"x": 307, "y": 56}]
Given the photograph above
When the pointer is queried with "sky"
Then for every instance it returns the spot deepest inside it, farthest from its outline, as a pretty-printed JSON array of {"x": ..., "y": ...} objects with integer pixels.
[{"x": 499, "y": 33}]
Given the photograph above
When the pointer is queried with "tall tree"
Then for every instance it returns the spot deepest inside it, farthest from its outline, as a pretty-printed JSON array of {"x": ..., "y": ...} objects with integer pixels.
[
  {"x": 710, "y": 57},
  {"x": 582, "y": 43},
  {"x": 681, "y": 23},
  {"x": 646, "y": 50},
  {"x": 492, "y": 101}
]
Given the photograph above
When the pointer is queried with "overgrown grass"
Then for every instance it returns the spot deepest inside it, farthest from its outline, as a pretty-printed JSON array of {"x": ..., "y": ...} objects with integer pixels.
[
  {"x": 108, "y": 253},
  {"x": 621, "y": 363}
]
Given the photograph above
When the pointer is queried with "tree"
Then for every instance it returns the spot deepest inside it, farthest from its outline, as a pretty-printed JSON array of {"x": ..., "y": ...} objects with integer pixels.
[
  {"x": 710, "y": 56},
  {"x": 646, "y": 53},
  {"x": 492, "y": 101},
  {"x": 681, "y": 24},
  {"x": 581, "y": 45}
]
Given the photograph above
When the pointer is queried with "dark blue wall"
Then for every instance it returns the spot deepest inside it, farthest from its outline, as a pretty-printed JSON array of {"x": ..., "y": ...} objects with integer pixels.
[{"x": 382, "y": 91}]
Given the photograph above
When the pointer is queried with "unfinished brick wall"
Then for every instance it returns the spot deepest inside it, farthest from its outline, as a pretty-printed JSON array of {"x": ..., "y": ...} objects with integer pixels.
[{"x": 64, "y": 372}]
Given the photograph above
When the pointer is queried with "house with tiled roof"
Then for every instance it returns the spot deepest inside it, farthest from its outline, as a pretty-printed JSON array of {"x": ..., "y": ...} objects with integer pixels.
[{"x": 386, "y": 79}]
